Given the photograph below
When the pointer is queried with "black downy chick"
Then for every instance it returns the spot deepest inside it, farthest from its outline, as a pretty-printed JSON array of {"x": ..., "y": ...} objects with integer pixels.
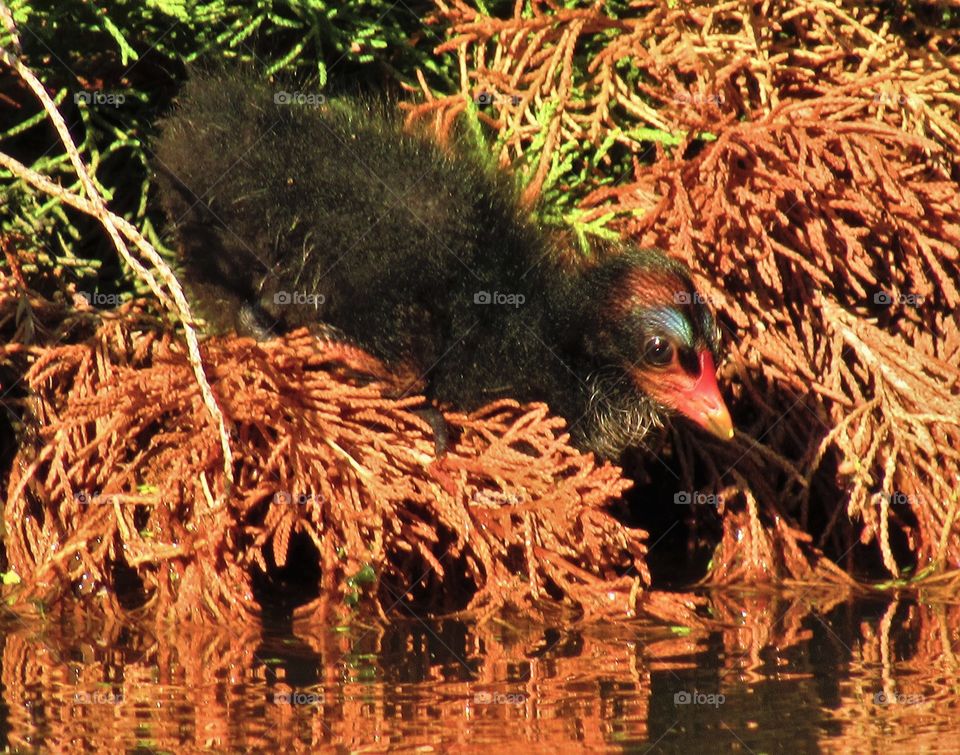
[{"x": 291, "y": 212}]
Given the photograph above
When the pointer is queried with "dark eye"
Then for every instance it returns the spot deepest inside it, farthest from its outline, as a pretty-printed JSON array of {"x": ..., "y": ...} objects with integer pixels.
[{"x": 659, "y": 351}]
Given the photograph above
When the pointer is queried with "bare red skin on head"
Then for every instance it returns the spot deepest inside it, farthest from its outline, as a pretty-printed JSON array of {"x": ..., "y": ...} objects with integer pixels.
[{"x": 696, "y": 397}]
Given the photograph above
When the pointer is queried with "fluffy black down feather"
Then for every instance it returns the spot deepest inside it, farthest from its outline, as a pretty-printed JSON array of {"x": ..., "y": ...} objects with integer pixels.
[{"x": 328, "y": 215}]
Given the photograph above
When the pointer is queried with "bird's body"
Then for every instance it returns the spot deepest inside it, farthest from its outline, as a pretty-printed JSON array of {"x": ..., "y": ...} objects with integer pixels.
[{"x": 295, "y": 214}]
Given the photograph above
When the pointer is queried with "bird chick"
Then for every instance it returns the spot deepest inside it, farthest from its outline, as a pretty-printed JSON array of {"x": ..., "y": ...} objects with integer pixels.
[{"x": 293, "y": 212}]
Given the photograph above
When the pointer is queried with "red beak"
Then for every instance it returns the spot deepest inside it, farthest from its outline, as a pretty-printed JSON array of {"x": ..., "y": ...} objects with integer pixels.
[{"x": 703, "y": 403}]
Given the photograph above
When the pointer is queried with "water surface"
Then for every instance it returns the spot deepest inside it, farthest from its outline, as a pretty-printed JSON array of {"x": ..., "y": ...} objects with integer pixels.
[{"x": 780, "y": 674}]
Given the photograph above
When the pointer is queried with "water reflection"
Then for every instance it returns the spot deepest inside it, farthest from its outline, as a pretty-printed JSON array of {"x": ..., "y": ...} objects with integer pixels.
[{"x": 801, "y": 673}]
